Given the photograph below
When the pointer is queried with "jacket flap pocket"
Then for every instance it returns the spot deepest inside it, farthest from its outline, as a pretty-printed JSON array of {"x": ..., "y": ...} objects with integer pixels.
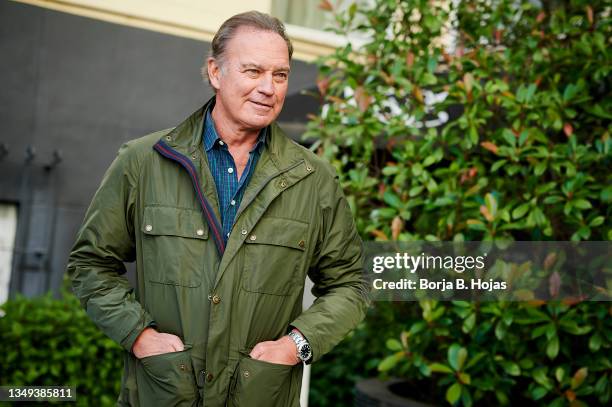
[
  {"x": 280, "y": 232},
  {"x": 170, "y": 221}
]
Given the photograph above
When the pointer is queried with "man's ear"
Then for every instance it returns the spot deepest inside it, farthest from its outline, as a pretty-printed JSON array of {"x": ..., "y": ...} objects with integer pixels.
[{"x": 214, "y": 72}]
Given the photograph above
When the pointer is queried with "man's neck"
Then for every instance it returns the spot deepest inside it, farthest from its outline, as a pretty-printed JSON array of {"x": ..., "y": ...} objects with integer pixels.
[{"x": 234, "y": 136}]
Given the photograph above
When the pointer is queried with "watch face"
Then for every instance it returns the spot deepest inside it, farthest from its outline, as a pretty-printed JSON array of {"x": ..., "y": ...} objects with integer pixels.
[{"x": 305, "y": 352}]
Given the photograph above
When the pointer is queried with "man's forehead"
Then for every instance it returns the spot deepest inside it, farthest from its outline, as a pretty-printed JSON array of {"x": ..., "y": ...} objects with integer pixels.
[{"x": 251, "y": 40}]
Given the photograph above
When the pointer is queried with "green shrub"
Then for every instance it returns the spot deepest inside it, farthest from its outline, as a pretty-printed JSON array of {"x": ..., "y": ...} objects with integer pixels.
[
  {"x": 507, "y": 353},
  {"x": 526, "y": 155},
  {"x": 51, "y": 342}
]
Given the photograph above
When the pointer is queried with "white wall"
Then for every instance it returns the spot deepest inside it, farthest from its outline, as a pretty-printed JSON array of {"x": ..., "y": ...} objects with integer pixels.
[{"x": 8, "y": 227}]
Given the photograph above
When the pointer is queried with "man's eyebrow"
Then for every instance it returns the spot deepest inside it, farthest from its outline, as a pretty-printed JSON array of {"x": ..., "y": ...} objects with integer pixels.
[{"x": 261, "y": 68}]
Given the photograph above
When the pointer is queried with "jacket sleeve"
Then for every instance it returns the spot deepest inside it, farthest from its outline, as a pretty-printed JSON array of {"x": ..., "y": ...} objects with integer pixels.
[
  {"x": 337, "y": 272},
  {"x": 104, "y": 242}
]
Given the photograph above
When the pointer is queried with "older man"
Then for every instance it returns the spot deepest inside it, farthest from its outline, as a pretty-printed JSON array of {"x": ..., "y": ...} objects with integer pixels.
[{"x": 225, "y": 217}]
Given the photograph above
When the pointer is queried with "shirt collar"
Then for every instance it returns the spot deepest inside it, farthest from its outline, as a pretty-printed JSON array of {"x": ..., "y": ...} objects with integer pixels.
[{"x": 211, "y": 138}]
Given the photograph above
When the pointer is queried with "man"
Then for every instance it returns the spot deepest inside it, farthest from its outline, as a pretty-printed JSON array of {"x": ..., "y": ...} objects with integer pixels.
[{"x": 225, "y": 216}]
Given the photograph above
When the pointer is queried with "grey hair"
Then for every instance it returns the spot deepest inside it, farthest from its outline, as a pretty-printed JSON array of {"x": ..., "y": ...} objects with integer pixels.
[{"x": 226, "y": 32}]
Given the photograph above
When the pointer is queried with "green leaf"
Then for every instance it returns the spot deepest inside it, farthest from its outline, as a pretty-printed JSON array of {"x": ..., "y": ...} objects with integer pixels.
[
  {"x": 520, "y": 210},
  {"x": 579, "y": 377},
  {"x": 511, "y": 368},
  {"x": 456, "y": 356},
  {"x": 468, "y": 323},
  {"x": 595, "y": 342},
  {"x": 414, "y": 191},
  {"x": 392, "y": 199},
  {"x": 440, "y": 368},
  {"x": 553, "y": 199},
  {"x": 598, "y": 221},
  {"x": 453, "y": 393},
  {"x": 388, "y": 363},
  {"x": 581, "y": 203},
  {"x": 560, "y": 374},
  {"x": 538, "y": 392},
  {"x": 417, "y": 169},
  {"x": 394, "y": 345}
]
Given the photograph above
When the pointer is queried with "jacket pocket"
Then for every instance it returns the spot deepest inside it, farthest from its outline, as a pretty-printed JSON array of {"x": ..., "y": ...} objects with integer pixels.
[
  {"x": 260, "y": 384},
  {"x": 173, "y": 245},
  {"x": 167, "y": 379},
  {"x": 274, "y": 252}
]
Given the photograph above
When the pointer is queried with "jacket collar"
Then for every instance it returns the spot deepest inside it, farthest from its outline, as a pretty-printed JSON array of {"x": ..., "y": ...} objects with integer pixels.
[{"x": 186, "y": 138}]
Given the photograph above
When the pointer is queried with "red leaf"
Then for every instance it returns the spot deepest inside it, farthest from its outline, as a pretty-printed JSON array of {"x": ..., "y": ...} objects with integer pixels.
[
  {"x": 409, "y": 59},
  {"x": 487, "y": 145},
  {"x": 568, "y": 129},
  {"x": 554, "y": 283},
  {"x": 325, "y": 5},
  {"x": 396, "y": 227}
]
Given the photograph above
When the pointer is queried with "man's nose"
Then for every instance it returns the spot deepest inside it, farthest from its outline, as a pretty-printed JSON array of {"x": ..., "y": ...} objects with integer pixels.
[{"x": 266, "y": 85}]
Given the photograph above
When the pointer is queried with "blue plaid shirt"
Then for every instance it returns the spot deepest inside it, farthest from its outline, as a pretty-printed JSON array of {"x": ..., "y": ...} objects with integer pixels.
[{"x": 230, "y": 189}]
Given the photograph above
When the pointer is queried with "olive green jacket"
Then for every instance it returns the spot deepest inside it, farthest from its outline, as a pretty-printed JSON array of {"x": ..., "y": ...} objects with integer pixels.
[{"x": 157, "y": 205}]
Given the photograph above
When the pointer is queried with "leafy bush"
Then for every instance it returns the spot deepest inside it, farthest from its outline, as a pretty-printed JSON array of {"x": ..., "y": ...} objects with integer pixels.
[
  {"x": 527, "y": 156},
  {"x": 51, "y": 342},
  {"x": 503, "y": 134},
  {"x": 507, "y": 353}
]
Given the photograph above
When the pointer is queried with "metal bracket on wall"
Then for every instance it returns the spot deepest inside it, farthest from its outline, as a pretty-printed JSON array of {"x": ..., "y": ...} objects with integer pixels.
[{"x": 3, "y": 151}]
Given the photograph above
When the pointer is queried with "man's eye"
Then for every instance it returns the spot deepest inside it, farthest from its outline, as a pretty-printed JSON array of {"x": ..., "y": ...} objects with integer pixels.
[
  {"x": 252, "y": 71},
  {"x": 282, "y": 75}
]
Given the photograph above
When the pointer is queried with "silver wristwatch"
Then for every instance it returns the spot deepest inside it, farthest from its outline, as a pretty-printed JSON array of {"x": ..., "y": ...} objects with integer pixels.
[{"x": 304, "y": 352}]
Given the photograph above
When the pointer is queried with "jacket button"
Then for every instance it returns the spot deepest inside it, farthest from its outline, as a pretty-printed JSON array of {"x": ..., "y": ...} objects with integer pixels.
[
  {"x": 243, "y": 231},
  {"x": 182, "y": 366},
  {"x": 216, "y": 299},
  {"x": 193, "y": 156},
  {"x": 168, "y": 138},
  {"x": 252, "y": 237},
  {"x": 209, "y": 377},
  {"x": 200, "y": 232},
  {"x": 283, "y": 184},
  {"x": 308, "y": 168},
  {"x": 246, "y": 374},
  {"x": 302, "y": 244},
  {"x": 148, "y": 228}
]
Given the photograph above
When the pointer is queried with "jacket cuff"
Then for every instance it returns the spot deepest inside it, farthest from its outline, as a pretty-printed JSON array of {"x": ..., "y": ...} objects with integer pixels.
[{"x": 146, "y": 322}]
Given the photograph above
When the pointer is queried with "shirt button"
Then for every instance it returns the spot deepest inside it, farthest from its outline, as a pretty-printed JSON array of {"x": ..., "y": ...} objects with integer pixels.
[
  {"x": 233, "y": 202},
  {"x": 221, "y": 142},
  {"x": 148, "y": 228},
  {"x": 228, "y": 233},
  {"x": 200, "y": 232},
  {"x": 216, "y": 299},
  {"x": 230, "y": 170}
]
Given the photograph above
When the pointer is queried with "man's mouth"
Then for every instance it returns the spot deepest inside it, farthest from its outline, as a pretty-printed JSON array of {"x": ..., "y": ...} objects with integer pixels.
[{"x": 261, "y": 104}]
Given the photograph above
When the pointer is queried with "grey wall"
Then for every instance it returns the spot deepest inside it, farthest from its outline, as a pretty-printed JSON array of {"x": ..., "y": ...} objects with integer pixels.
[{"x": 81, "y": 88}]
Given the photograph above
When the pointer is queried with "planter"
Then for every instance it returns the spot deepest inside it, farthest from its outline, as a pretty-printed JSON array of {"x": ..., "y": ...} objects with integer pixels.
[{"x": 378, "y": 393}]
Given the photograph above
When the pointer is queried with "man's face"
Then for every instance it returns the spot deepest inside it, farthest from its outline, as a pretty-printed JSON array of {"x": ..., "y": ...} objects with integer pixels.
[{"x": 251, "y": 79}]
